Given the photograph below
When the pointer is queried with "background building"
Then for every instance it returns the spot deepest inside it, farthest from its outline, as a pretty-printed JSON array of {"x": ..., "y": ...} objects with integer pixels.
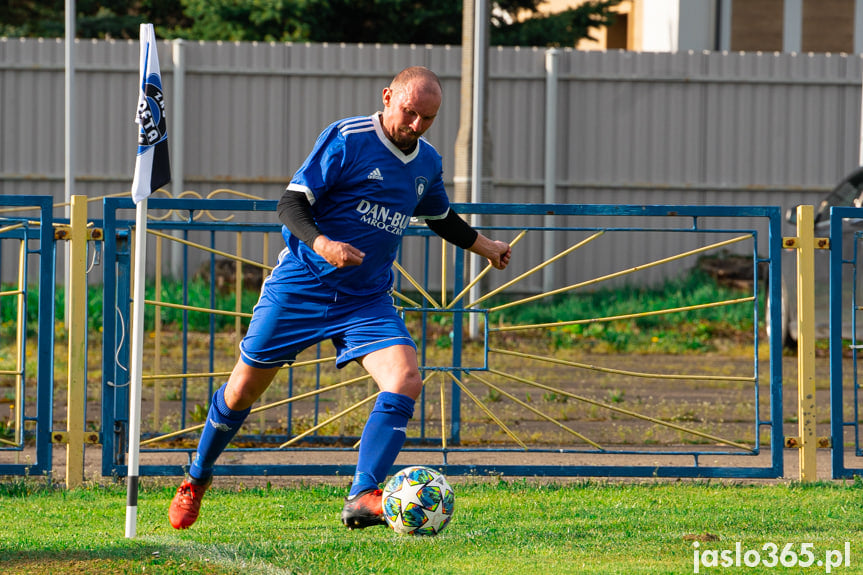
[{"x": 733, "y": 25}]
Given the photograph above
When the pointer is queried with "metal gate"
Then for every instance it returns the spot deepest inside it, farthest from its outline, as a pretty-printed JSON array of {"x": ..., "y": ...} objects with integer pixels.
[
  {"x": 489, "y": 406},
  {"x": 845, "y": 320},
  {"x": 26, "y": 223}
]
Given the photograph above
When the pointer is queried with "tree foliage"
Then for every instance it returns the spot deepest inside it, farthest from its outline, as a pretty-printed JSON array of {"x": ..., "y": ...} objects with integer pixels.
[
  {"x": 367, "y": 21},
  {"x": 562, "y": 29},
  {"x": 94, "y": 18}
]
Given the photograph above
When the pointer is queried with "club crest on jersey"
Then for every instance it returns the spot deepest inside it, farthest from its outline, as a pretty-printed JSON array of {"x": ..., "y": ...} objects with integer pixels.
[{"x": 421, "y": 184}]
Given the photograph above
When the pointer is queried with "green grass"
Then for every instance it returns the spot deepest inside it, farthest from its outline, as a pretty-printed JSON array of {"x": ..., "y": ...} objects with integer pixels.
[{"x": 502, "y": 527}]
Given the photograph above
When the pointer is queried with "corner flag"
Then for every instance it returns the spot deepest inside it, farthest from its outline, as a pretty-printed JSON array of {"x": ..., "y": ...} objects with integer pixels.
[
  {"x": 152, "y": 171},
  {"x": 152, "y": 165}
]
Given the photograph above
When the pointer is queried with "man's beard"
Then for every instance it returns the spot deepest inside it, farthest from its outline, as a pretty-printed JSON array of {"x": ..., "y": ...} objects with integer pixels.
[{"x": 406, "y": 139}]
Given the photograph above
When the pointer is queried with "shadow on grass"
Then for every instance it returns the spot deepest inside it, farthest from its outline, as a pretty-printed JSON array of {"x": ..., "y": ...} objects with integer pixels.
[{"x": 145, "y": 559}]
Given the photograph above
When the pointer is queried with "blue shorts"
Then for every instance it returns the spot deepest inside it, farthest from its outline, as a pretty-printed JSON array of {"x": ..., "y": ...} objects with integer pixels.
[{"x": 296, "y": 310}]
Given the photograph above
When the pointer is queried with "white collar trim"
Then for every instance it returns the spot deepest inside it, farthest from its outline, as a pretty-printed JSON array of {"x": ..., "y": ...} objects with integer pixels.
[{"x": 405, "y": 158}]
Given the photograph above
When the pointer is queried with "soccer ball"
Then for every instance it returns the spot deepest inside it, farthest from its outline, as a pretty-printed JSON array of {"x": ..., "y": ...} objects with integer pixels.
[{"x": 418, "y": 501}]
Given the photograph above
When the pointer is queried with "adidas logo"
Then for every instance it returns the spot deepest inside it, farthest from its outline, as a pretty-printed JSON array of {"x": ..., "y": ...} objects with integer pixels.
[
  {"x": 220, "y": 426},
  {"x": 375, "y": 175}
]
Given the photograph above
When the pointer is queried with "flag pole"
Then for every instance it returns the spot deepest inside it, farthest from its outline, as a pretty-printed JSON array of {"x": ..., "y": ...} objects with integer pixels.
[
  {"x": 152, "y": 171},
  {"x": 135, "y": 381}
]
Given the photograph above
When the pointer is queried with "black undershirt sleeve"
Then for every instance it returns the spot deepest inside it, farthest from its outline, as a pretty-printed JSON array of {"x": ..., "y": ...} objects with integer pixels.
[
  {"x": 454, "y": 229},
  {"x": 295, "y": 212}
]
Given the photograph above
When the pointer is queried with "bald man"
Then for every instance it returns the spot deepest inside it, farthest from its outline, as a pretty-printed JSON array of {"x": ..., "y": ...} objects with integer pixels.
[{"x": 343, "y": 217}]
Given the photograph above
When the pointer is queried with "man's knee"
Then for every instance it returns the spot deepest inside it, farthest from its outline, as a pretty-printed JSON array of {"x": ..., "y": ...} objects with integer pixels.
[
  {"x": 411, "y": 386},
  {"x": 246, "y": 385}
]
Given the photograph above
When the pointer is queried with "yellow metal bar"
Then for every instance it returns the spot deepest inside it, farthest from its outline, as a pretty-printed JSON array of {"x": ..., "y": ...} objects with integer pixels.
[
  {"x": 806, "y": 343},
  {"x": 11, "y": 292},
  {"x": 231, "y": 192},
  {"x": 157, "y": 340},
  {"x": 266, "y": 256},
  {"x": 77, "y": 377},
  {"x": 237, "y": 193},
  {"x": 414, "y": 283},
  {"x": 535, "y": 410},
  {"x": 10, "y": 228},
  {"x": 406, "y": 299},
  {"x": 210, "y": 250},
  {"x": 262, "y": 408},
  {"x": 622, "y": 272},
  {"x": 487, "y": 411},
  {"x": 443, "y": 249},
  {"x": 158, "y": 376},
  {"x": 169, "y": 213},
  {"x": 442, "y": 414},
  {"x": 265, "y": 259},
  {"x": 481, "y": 274},
  {"x": 622, "y": 371},
  {"x": 20, "y": 339},
  {"x": 624, "y": 411},
  {"x": 335, "y": 417},
  {"x": 238, "y": 292},
  {"x": 21, "y": 209},
  {"x": 537, "y": 268},
  {"x": 624, "y": 316},
  {"x": 193, "y": 308},
  {"x": 227, "y": 373}
]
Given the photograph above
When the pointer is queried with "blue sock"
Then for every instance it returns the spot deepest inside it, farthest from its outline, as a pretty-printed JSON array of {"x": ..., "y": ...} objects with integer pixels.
[
  {"x": 221, "y": 426},
  {"x": 382, "y": 439}
]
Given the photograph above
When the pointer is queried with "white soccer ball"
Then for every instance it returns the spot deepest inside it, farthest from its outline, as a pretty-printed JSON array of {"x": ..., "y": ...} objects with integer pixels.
[{"x": 418, "y": 501}]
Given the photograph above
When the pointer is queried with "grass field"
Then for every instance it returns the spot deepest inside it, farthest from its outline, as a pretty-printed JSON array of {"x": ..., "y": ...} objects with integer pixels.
[
  {"x": 512, "y": 526},
  {"x": 503, "y": 527}
]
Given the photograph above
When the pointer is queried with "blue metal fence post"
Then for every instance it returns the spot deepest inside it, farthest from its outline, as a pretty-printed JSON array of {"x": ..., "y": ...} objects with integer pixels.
[
  {"x": 45, "y": 337},
  {"x": 837, "y": 425},
  {"x": 121, "y": 350},
  {"x": 109, "y": 314},
  {"x": 777, "y": 438},
  {"x": 116, "y": 285}
]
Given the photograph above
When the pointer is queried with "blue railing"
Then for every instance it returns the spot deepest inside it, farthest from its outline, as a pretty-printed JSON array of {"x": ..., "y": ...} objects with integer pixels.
[{"x": 330, "y": 453}]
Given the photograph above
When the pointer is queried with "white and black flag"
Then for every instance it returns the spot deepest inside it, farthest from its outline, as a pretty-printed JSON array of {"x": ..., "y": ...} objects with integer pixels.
[
  {"x": 152, "y": 171},
  {"x": 152, "y": 165}
]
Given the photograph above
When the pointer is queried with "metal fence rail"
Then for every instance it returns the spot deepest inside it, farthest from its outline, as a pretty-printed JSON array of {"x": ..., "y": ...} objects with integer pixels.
[
  {"x": 27, "y": 223},
  {"x": 489, "y": 406}
]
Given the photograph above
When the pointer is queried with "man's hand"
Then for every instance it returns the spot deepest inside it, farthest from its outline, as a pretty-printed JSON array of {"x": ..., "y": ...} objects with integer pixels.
[
  {"x": 339, "y": 254},
  {"x": 497, "y": 253}
]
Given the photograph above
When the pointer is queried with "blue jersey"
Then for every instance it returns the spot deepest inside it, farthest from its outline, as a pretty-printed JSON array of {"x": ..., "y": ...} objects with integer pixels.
[{"x": 364, "y": 191}]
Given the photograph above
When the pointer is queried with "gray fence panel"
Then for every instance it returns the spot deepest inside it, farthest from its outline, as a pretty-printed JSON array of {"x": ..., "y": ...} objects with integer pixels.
[{"x": 649, "y": 128}]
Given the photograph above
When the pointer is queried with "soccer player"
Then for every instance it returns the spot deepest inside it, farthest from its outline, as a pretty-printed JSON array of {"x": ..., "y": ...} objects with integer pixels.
[{"x": 344, "y": 214}]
